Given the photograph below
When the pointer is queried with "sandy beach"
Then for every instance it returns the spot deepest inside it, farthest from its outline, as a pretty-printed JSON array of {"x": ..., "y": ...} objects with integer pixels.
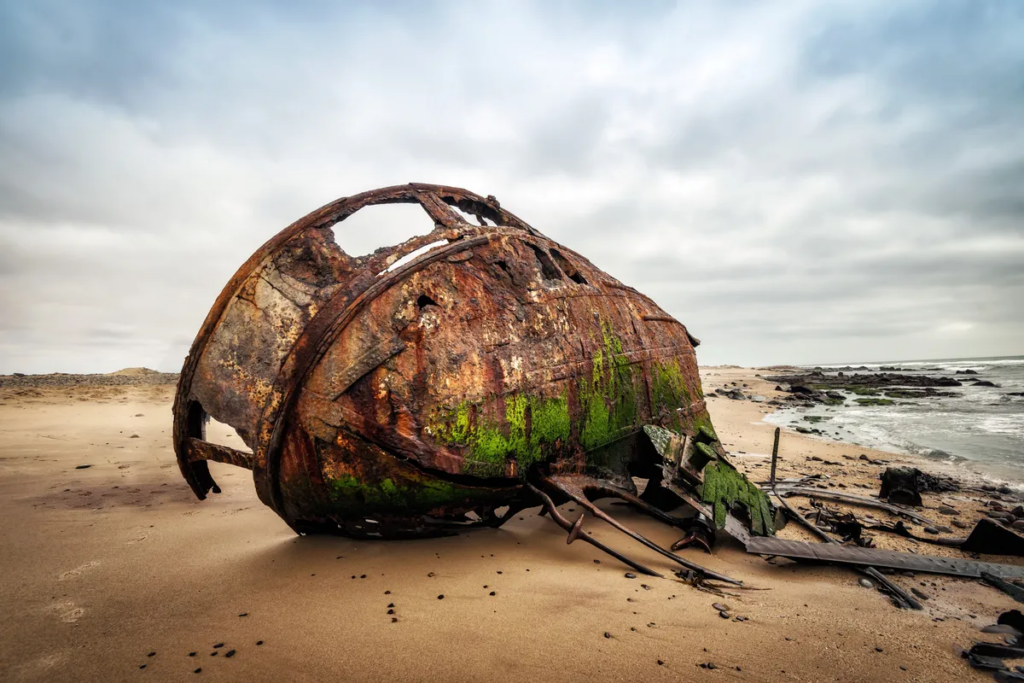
[{"x": 115, "y": 572}]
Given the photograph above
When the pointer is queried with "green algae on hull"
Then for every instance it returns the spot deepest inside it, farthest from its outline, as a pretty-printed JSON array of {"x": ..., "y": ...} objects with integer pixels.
[
  {"x": 608, "y": 399},
  {"x": 611, "y": 406},
  {"x": 490, "y": 448},
  {"x": 389, "y": 495}
]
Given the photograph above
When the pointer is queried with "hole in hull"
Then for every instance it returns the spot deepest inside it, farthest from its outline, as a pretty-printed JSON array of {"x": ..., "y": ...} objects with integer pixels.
[
  {"x": 412, "y": 255},
  {"x": 548, "y": 269},
  {"x": 571, "y": 271},
  {"x": 383, "y": 225}
]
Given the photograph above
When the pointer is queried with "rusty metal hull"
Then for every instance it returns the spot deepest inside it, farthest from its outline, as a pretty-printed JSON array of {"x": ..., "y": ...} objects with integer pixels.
[{"x": 390, "y": 397}]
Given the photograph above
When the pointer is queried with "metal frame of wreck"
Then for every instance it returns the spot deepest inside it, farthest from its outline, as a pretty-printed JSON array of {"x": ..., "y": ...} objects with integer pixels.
[{"x": 193, "y": 451}]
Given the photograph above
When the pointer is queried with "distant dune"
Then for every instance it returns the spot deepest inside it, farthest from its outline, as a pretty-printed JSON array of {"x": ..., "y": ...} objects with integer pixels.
[{"x": 135, "y": 372}]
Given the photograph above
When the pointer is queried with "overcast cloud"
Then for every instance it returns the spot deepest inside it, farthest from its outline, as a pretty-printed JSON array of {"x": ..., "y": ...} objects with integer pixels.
[{"x": 797, "y": 182}]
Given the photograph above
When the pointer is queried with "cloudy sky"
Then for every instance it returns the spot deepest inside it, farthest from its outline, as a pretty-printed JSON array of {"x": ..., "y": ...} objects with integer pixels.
[{"x": 797, "y": 182}]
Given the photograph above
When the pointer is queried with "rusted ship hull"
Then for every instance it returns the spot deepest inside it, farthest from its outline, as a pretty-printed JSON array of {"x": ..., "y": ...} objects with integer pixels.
[{"x": 383, "y": 396}]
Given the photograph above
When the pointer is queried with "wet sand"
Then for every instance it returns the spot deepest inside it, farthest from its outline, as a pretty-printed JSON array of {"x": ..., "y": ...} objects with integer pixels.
[{"x": 103, "y": 566}]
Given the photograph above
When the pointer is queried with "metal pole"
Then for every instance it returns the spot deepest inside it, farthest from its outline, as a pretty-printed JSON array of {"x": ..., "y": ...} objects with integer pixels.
[{"x": 775, "y": 454}]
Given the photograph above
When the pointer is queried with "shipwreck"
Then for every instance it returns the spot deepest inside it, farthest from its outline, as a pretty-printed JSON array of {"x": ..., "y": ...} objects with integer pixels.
[{"x": 451, "y": 381}]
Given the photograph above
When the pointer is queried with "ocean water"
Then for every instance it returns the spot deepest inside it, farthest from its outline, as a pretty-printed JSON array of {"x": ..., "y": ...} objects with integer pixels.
[{"x": 980, "y": 431}]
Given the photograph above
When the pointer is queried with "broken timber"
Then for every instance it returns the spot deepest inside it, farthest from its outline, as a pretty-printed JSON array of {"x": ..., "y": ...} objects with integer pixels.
[{"x": 873, "y": 557}]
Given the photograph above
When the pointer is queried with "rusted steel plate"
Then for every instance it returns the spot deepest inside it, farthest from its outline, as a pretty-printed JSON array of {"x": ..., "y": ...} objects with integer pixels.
[{"x": 873, "y": 557}]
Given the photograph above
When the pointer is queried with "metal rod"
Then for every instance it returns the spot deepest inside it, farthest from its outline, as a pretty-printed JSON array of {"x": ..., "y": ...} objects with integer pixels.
[{"x": 775, "y": 454}]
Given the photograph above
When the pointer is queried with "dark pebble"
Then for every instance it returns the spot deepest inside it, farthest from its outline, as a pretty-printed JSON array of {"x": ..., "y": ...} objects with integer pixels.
[
  {"x": 878, "y": 649},
  {"x": 85, "y": 467},
  {"x": 391, "y": 604},
  {"x": 630, "y": 575},
  {"x": 607, "y": 634},
  {"x": 199, "y": 670},
  {"x": 491, "y": 593},
  {"x": 391, "y": 611},
  {"x": 387, "y": 592},
  {"x": 218, "y": 646},
  {"x": 711, "y": 665},
  {"x": 363, "y": 576},
  {"x": 244, "y": 614},
  {"x": 143, "y": 666},
  {"x": 213, "y": 654},
  {"x": 151, "y": 654},
  {"x": 259, "y": 642},
  {"x": 191, "y": 654},
  {"x": 394, "y": 619},
  {"x": 931, "y": 530},
  {"x": 229, "y": 653},
  {"x": 724, "y": 615},
  {"x": 597, "y": 561},
  {"x": 440, "y": 597}
]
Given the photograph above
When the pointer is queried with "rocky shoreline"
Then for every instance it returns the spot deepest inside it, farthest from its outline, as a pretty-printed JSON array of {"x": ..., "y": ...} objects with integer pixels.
[{"x": 126, "y": 377}]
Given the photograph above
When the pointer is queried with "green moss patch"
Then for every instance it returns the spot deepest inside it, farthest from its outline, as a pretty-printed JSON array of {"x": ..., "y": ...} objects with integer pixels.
[
  {"x": 726, "y": 489},
  {"x": 387, "y": 494},
  {"x": 530, "y": 425},
  {"x": 874, "y": 401}
]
